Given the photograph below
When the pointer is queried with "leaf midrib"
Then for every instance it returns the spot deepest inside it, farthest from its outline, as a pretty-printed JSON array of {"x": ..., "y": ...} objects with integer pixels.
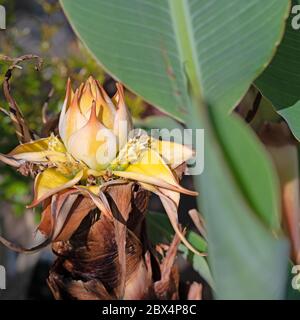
[{"x": 182, "y": 20}]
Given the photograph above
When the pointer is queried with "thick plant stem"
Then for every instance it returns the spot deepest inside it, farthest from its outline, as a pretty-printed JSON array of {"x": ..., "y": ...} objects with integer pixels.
[{"x": 107, "y": 259}]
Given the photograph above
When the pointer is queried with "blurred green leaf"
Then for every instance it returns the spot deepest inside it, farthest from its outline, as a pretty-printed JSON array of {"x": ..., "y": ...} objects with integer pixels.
[
  {"x": 16, "y": 188},
  {"x": 146, "y": 45},
  {"x": 244, "y": 255},
  {"x": 281, "y": 80},
  {"x": 158, "y": 122},
  {"x": 251, "y": 167}
]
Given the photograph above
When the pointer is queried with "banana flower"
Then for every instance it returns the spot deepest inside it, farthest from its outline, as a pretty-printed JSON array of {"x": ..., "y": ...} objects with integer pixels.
[{"x": 93, "y": 151}]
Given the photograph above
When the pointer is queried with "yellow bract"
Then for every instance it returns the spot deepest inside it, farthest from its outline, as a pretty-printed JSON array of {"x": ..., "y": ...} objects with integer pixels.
[
  {"x": 41, "y": 150},
  {"x": 150, "y": 168},
  {"x": 51, "y": 181}
]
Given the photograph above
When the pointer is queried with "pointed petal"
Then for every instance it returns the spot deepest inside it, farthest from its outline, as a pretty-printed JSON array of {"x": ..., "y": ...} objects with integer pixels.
[
  {"x": 151, "y": 169},
  {"x": 104, "y": 106},
  {"x": 73, "y": 120},
  {"x": 49, "y": 182},
  {"x": 108, "y": 111},
  {"x": 123, "y": 120},
  {"x": 173, "y": 153},
  {"x": 93, "y": 84},
  {"x": 93, "y": 144},
  {"x": 67, "y": 102},
  {"x": 86, "y": 97}
]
